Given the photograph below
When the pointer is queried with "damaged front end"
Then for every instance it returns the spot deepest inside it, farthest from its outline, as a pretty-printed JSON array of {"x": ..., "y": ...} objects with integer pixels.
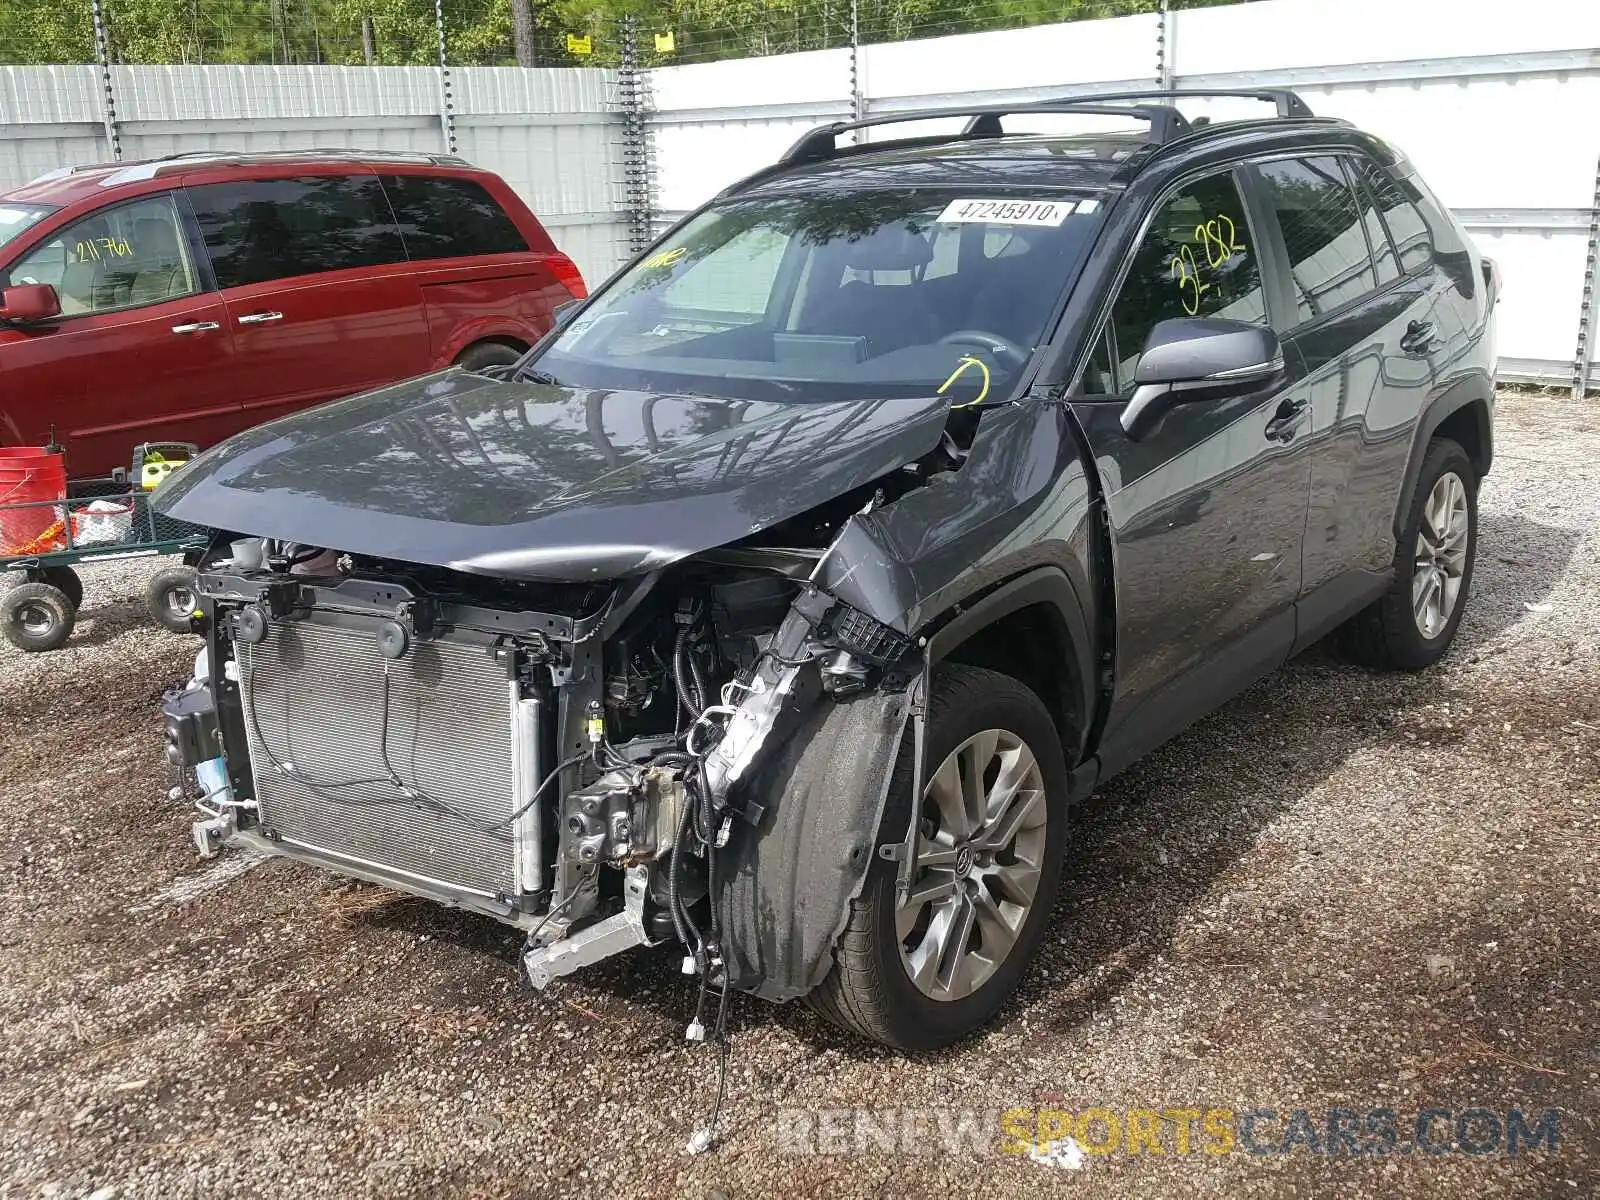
[{"x": 601, "y": 765}]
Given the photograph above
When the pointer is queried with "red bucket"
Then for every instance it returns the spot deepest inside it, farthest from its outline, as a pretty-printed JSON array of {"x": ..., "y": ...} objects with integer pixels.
[{"x": 30, "y": 475}]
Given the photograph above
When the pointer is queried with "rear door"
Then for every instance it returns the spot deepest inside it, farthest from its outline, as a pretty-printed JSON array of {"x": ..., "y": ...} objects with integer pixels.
[
  {"x": 481, "y": 275},
  {"x": 1355, "y": 320},
  {"x": 1208, "y": 512},
  {"x": 320, "y": 298},
  {"x": 141, "y": 351}
]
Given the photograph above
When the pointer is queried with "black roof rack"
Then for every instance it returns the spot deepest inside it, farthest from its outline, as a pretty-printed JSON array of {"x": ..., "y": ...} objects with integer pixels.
[
  {"x": 1288, "y": 103},
  {"x": 1156, "y": 109},
  {"x": 821, "y": 143}
]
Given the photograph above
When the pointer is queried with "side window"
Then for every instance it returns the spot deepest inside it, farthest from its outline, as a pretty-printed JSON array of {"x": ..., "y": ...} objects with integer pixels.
[
  {"x": 1383, "y": 258},
  {"x": 450, "y": 218},
  {"x": 1322, "y": 233},
  {"x": 120, "y": 257},
  {"x": 1197, "y": 260},
  {"x": 261, "y": 229},
  {"x": 1406, "y": 226}
]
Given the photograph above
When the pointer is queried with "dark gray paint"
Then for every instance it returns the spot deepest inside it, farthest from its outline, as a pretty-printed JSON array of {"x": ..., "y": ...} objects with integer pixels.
[{"x": 529, "y": 481}]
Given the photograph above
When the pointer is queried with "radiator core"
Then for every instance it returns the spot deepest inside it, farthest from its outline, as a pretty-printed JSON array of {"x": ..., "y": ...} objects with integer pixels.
[{"x": 316, "y": 720}]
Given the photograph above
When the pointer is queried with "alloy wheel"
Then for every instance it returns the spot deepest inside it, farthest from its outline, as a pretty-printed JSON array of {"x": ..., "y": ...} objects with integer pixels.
[
  {"x": 980, "y": 849},
  {"x": 1441, "y": 557}
]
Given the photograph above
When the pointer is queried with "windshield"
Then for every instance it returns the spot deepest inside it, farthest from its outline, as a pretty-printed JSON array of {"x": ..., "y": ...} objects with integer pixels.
[
  {"x": 17, "y": 218},
  {"x": 883, "y": 294}
]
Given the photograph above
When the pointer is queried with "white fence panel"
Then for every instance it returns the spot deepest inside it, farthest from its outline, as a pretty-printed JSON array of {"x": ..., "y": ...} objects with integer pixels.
[
  {"x": 1277, "y": 35},
  {"x": 1010, "y": 63},
  {"x": 716, "y": 122}
]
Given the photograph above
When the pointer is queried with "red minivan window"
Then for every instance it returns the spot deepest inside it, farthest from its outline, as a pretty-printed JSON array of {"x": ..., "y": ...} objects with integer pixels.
[{"x": 201, "y": 296}]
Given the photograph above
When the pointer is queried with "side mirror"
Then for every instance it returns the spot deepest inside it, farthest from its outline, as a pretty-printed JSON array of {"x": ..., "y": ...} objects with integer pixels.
[
  {"x": 28, "y": 302},
  {"x": 1199, "y": 358}
]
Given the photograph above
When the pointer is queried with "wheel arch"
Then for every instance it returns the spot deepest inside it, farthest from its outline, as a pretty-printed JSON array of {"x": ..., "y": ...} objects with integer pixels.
[
  {"x": 1463, "y": 412},
  {"x": 507, "y": 340},
  {"x": 1000, "y": 630}
]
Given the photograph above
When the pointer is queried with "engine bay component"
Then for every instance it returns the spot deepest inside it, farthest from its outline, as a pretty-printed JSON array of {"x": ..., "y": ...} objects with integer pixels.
[
  {"x": 583, "y": 762},
  {"x": 189, "y": 722},
  {"x": 625, "y": 816}
]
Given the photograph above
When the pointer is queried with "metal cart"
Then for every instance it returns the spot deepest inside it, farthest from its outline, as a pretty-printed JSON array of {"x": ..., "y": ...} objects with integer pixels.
[{"x": 100, "y": 520}]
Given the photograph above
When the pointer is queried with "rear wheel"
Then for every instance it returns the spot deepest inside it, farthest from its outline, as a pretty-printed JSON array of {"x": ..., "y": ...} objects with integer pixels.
[
  {"x": 171, "y": 598},
  {"x": 36, "y": 617},
  {"x": 923, "y": 969},
  {"x": 65, "y": 579},
  {"x": 487, "y": 354},
  {"x": 1413, "y": 625}
]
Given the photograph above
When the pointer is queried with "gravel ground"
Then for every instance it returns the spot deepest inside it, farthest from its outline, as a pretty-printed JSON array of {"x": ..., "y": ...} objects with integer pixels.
[{"x": 1345, "y": 889}]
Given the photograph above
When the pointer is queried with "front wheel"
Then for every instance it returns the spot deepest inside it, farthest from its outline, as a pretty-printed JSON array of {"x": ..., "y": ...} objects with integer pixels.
[
  {"x": 172, "y": 598},
  {"x": 1413, "y": 625},
  {"x": 925, "y": 968},
  {"x": 37, "y": 617}
]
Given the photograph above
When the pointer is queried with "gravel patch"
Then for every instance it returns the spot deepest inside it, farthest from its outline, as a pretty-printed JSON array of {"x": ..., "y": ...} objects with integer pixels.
[{"x": 1344, "y": 889}]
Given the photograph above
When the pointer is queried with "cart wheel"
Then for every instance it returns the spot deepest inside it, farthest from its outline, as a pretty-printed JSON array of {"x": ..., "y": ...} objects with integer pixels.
[
  {"x": 64, "y": 579},
  {"x": 36, "y": 616},
  {"x": 172, "y": 598}
]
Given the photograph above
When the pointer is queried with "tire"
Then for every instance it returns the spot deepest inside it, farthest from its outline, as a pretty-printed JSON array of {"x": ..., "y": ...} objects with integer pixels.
[
  {"x": 37, "y": 617},
  {"x": 64, "y": 579},
  {"x": 870, "y": 990},
  {"x": 487, "y": 354},
  {"x": 170, "y": 597},
  {"x": 1391, "y": 634}
]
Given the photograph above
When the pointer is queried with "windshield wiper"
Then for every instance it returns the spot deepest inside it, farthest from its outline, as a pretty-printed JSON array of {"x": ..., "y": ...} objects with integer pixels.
[{"x": 533, "y": 375}]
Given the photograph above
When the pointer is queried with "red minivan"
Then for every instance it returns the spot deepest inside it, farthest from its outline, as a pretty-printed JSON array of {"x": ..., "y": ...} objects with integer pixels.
[{"x": 186, "y": 298}]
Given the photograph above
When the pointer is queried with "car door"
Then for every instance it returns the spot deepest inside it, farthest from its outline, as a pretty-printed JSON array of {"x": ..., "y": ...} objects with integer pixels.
[
  {"x": 1207, "y": 512},
  {"x": 141, "y": 351},
  {"x": 321, "y": 300},
  {"x": 1351, "y": 318}
]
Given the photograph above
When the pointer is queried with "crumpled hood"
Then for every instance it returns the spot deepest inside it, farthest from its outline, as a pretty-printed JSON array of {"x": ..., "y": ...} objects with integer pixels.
[{"x": 531, "y": 481}]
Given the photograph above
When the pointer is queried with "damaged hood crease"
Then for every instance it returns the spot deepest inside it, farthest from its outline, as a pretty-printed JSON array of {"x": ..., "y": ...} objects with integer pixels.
[{"x": 542, "y": 482}]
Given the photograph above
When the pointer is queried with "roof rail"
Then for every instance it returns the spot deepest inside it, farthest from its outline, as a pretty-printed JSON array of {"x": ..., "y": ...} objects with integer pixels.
[
  {"x": 821, "y": 143},
  {"x": 1154, "y": 106},
  {"x": 1288, "y": 103}
]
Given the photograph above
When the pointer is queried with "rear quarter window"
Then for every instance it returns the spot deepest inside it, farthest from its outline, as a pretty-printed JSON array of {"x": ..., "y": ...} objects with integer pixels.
[
  {"x": 450, "y": 218},
  {"x": 1400, "y": 213}
]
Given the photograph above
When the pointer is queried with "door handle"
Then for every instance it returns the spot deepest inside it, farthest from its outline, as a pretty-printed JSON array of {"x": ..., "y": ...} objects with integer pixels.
[
  {"x": 260, "y": 318},
  {"x": 196, "y": 327},
  {"x": 1418, "y": 337},
  {"x": 1286, "y": 422}
]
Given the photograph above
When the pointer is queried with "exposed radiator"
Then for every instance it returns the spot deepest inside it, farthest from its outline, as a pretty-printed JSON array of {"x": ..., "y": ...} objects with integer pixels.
[{"x": 314, "y": 693}]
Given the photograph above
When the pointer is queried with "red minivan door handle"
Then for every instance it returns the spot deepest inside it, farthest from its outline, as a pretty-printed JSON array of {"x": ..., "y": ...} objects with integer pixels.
[
  {"x": 260, "y": 318},
  {"x": 196, "y": 327}
]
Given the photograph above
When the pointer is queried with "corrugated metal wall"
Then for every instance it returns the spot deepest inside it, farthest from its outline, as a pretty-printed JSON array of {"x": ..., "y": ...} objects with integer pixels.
[
  {"x": 1499, "y": 108},
  {"x": 550, "y": 133}
]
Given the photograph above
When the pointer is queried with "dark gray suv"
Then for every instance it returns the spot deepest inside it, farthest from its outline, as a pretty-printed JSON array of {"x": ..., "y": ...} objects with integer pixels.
[{"x": 779, "y": 603}]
